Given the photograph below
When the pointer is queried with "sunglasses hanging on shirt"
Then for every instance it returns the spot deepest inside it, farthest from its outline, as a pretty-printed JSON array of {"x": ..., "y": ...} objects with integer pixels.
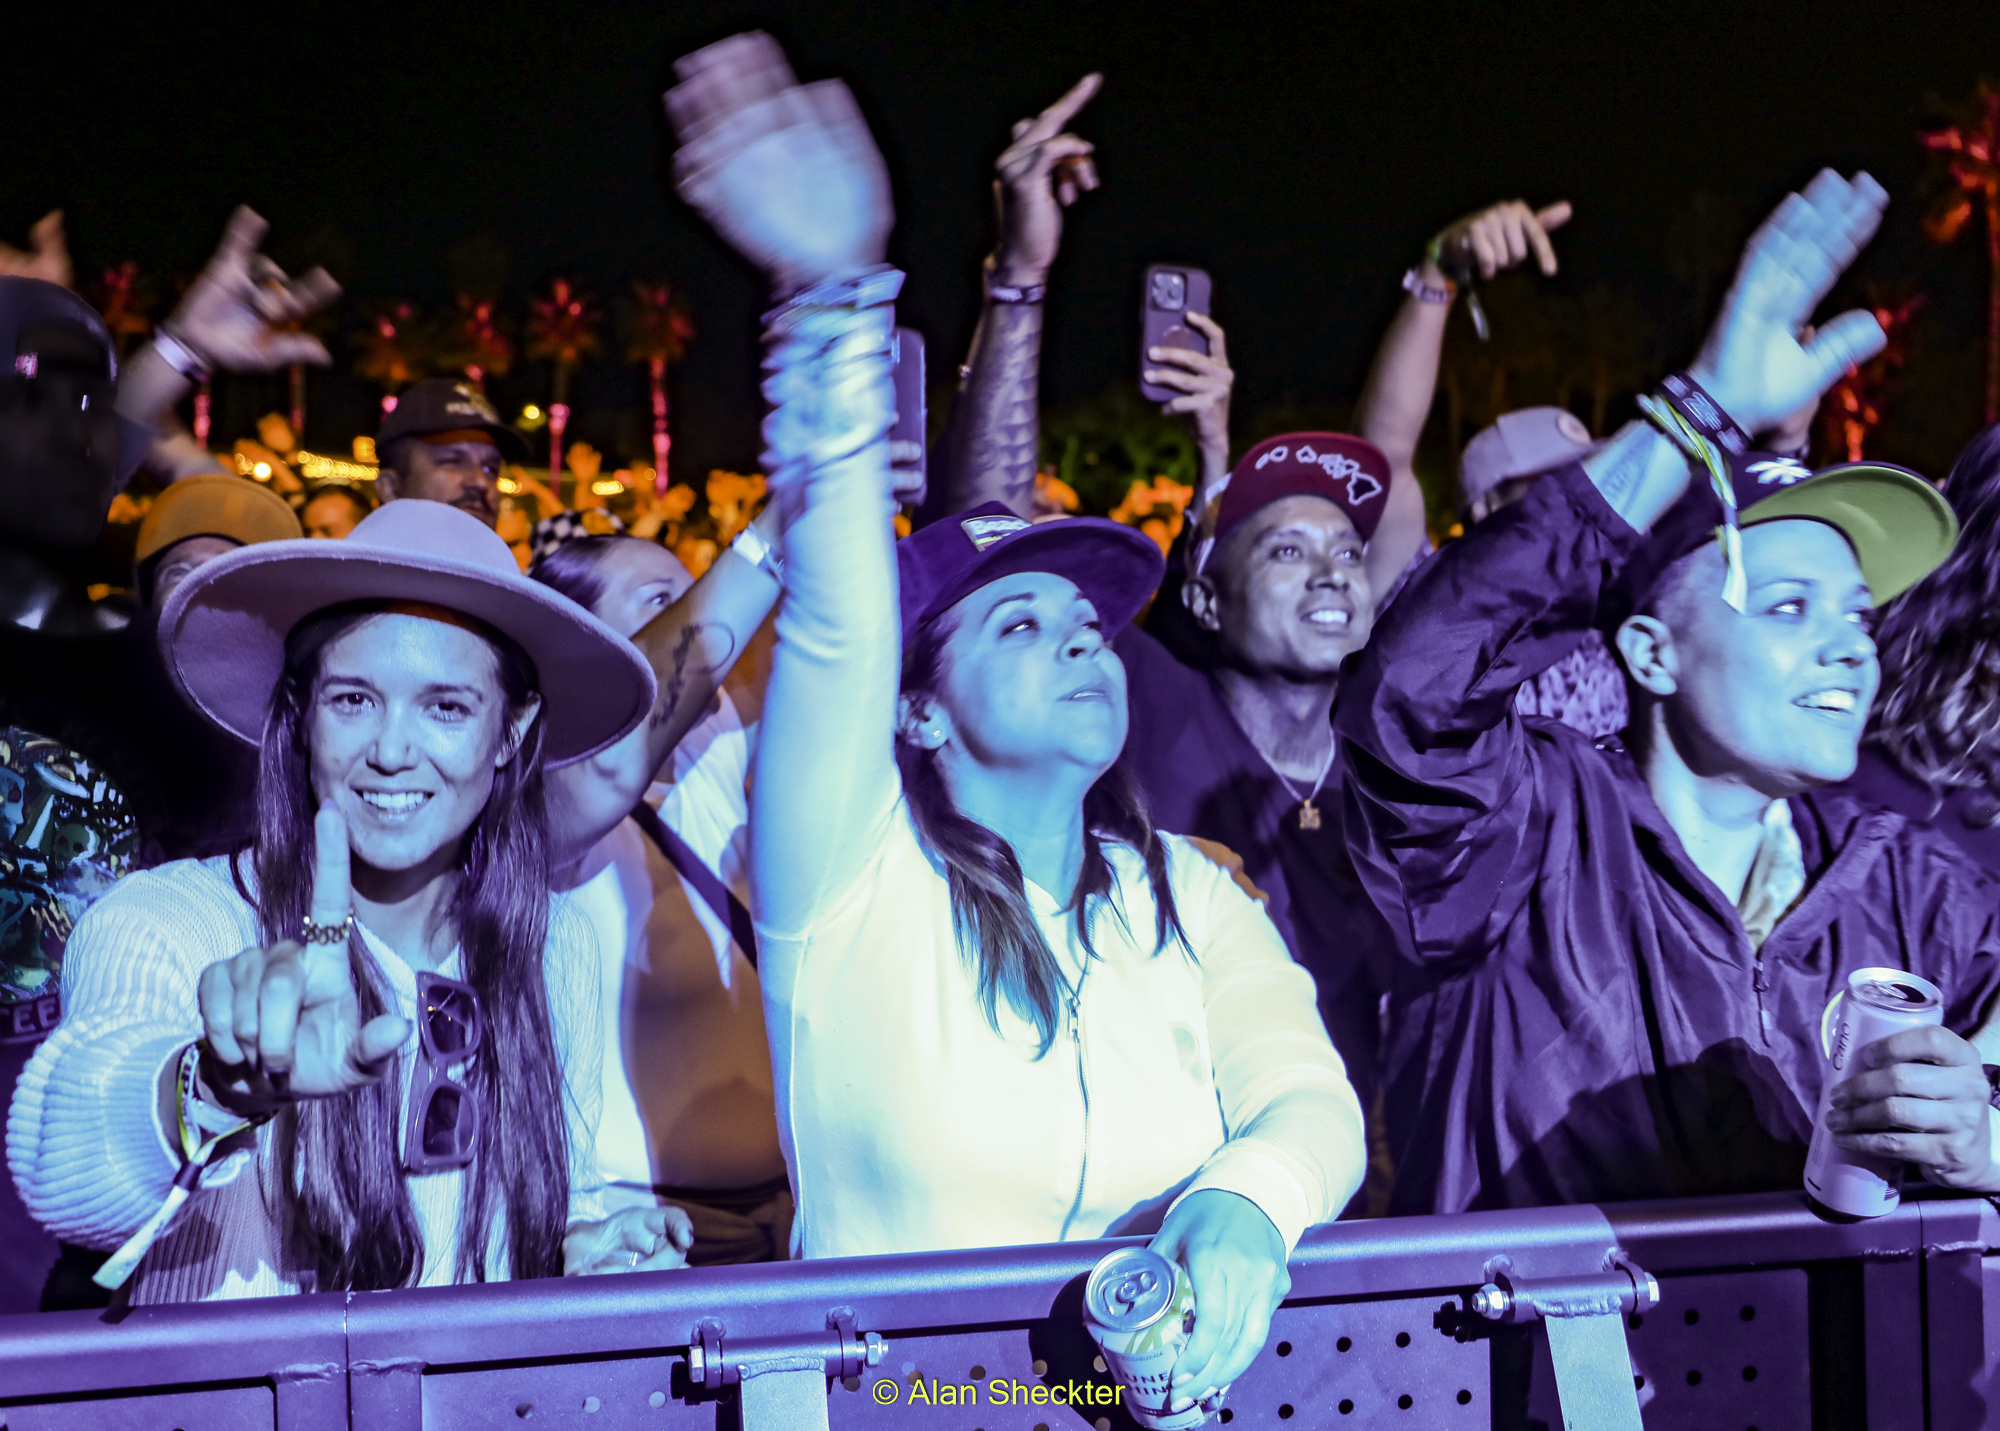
[{"x": 442, "y": 1126}]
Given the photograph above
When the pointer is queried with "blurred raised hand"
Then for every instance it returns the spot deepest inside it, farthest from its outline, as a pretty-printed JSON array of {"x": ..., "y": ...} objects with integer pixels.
[
  {"x": 1498, "y": 237},
  {"x": 1038, "y": 175},
  {"x": 46, "y": 256},
  {"x": 1754, "y": 361},
  {"x": 787, "y": 173},
  {"x": 235, "y": 314}
]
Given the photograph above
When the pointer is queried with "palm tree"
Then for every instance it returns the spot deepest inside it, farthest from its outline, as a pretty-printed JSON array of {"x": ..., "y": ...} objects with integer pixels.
[
  {"x": 1852, "y": 408},
  {"x": 472, "y": 339},
  {"x": 659, "y": 331},
  {"x": 125, "y": 300},
  {"x": 563, "y": 332},
  {"x": 393, "y": 351},
  {"x": 1969, "y": 164}
]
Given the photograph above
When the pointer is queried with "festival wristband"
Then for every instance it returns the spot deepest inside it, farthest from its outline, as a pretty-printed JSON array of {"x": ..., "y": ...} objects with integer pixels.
[
  {"x": 1704, "y": 413},
  {"x": 1414, "y": 285},
  {"x": 1015, "y": 292},
  {"x": 751, "y": 546},
  {"x": 1696, "y": 424},
  {"x": 180, "y": 357},
  {"x": 197, "y": 1117}
]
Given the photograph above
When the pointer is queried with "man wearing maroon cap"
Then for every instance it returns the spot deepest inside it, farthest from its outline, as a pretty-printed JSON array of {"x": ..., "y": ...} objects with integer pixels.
[{"x": 1243, "y": 753}]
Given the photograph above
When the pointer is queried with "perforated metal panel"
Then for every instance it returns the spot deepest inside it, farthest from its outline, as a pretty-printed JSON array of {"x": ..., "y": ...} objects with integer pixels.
[
  {"x": 1728, "y": 1351},
  {"x": 238, "y": 1408},
  {"x": 613, "y": 1395}
]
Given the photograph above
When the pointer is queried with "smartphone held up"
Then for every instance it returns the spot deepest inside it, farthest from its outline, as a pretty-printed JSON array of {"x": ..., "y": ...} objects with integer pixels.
[{"x": 1172, "y": 292}]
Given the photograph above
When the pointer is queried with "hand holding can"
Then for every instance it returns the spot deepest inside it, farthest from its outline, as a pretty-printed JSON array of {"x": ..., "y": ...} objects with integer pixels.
[
  {"x": 1140, "y": 1309},
  {"x": 1876, "y": 1004}
]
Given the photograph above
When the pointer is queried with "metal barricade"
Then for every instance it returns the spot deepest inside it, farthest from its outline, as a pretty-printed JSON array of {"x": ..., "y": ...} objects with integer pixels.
[{"x": 1746, "y": 1312}]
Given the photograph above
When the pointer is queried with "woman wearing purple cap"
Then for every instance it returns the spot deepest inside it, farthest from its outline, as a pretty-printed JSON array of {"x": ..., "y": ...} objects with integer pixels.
[
  {"x": 364, "y": 1053},
  {"x": 1002, "y": 1009}
]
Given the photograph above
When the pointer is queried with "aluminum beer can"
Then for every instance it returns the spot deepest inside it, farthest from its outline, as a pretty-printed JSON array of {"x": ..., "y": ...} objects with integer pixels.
[
  {"x": 1875, "y": 1004},
  {"x": 1140, "y": 1309}
]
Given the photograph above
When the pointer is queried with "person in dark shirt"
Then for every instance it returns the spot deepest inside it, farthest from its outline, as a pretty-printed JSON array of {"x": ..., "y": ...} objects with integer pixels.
[
  {"x": 1233, "y": 677},
  {"x": 92, "y": 783},
  {"x": 1933, "y": 746},
  {"x": 1622, "y": 956},
  {"x": 1243, "y": 753}
]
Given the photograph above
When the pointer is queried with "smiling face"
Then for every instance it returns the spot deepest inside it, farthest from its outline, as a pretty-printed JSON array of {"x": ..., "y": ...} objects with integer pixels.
[
  {"x": 407, "y": 726},
  {"x": 1026, "y": 682},
  {"x": 1288, "y": 590},
  {"x": 640, "y": 580},
  {"x": 1778, "y": 693}
]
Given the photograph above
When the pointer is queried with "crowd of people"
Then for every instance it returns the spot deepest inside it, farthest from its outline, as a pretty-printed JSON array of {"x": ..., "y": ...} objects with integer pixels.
[{"x": 379, "y": 916}]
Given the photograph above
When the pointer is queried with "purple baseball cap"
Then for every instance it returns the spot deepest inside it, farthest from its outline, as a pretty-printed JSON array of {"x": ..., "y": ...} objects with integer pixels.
[
  {"x": 1524, "y": 443},
  {"x": 1117, "y": 568}
]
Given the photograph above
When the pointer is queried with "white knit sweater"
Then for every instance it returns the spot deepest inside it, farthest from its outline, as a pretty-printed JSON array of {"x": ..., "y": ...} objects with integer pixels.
[{"x": 84, "y": 1141}]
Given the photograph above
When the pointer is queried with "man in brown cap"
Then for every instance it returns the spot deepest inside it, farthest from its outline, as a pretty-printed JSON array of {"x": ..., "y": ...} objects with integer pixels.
[{"x": 443, "y": 442}]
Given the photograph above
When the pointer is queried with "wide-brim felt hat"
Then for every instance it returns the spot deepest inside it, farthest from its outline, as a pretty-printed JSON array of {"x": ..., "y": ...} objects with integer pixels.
[
  {"x": 1116, "y": 567},
  {"x": 223, "y": 632}
]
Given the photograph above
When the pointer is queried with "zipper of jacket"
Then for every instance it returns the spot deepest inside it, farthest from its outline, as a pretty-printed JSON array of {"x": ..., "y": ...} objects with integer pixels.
[
  {"x": 1083, "y": 1083},
  {"x": 1762, "y": 984}
]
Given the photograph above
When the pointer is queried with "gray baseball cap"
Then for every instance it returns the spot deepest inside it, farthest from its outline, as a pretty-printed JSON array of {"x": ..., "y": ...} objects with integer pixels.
[{"x": 1524, "y": 443}]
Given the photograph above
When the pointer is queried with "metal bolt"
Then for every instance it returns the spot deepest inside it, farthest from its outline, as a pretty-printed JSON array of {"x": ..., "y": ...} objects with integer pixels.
[
  {"x": 1492, "y": 1302},
  {"x": 876, "y": 1348}
]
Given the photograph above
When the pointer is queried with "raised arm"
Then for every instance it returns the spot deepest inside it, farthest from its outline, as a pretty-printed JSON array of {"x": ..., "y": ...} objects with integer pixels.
[
  {"x": 1396, "y": 401},
  {"x": 790, "y": 175},
  {"x": 988, "y": 451},
  {"x": 1440, "y": 804},
  {"x": 232, "y": 319},
  {"x": 692, "y": 646}
]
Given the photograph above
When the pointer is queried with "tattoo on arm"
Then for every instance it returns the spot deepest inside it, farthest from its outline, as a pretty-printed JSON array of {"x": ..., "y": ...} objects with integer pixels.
[
  {"x": 995, "y": 425},
  {"x": 700, "y": 650}
]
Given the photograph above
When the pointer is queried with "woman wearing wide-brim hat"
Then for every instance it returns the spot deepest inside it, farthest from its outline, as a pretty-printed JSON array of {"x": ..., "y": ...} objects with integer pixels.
[{"x": 364, "y": 1052}]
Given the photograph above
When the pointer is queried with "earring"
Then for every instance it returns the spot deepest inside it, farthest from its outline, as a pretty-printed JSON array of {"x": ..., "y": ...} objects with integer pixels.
[{"x": 933, "y": 736}]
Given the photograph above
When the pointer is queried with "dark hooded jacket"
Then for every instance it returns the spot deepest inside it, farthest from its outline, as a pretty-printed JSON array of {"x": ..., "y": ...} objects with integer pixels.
[{"x": 1583, "y": 1017}]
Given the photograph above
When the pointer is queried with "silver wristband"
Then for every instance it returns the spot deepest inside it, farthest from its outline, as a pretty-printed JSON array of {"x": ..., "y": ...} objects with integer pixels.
[
  {"x": 180, "y": 357},
  {"x": 751, "y": 546}
]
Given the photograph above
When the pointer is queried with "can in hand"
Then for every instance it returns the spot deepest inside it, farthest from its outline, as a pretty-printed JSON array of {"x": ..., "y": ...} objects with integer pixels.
[
  {"x": 1140, "y": 1309},
  {"x": 1875, "y": 1004}
]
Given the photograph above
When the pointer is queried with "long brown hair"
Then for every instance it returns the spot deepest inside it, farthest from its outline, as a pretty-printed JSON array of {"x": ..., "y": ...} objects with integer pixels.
[
  {"x": 345, "y": 1208},
  {"x": 995, "y": 925},
  {"x": 1939, "y": 712}
]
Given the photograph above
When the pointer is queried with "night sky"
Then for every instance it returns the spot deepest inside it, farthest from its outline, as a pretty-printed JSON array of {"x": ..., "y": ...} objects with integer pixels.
[{"x": 1301, "y": 153}]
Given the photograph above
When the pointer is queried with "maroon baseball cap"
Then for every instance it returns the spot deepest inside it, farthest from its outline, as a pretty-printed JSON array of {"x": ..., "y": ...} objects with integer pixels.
[
  {"x": 1117, "y": 568},
  {"x": 1349, "y": 472}
]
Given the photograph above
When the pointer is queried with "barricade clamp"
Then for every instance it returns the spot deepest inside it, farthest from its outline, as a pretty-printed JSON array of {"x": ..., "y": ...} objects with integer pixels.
[
  {"x": 1623, "y": 1287},
  {"x": 1584, "y": 1317},
  {"x": 839, "y": 1351}
]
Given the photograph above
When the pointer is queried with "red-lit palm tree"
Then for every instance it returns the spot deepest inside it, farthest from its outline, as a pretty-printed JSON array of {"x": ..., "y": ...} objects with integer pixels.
[
  {"x": 392, "y": 350},
  {"x": 1969, "y": 158},
  {"x": 124, "y": 301},
  {"x": 562, "y": 330},
  {"x": 660, "y": 330},
  {"x": 474, "y": 340},
  {"x": 1852, "y": 408}
]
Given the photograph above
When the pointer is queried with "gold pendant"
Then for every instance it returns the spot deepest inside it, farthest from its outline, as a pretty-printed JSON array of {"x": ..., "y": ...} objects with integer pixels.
[{"x": 1308, "y": 815}]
